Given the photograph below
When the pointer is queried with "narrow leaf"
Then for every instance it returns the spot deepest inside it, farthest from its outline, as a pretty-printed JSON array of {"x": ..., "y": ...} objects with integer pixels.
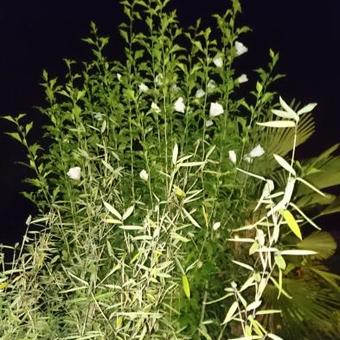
[
  {"x": 175, "y": 154},
  {"x": 298, "y": 252},
  {"x": 244, "y": 265},
  {"x": 112, "y": 210},
  {"x": 186, "y": 286},
  {"x": 278, "y": 124},
  {"x": 128, "y": 212},
  {"x": 284, "y": 164},
  {"x": 308, "y": 108},
  {"x": 287, "y": 108},
  {"x": 292, "y": 224},
  {"x": 231, "y": 312}
]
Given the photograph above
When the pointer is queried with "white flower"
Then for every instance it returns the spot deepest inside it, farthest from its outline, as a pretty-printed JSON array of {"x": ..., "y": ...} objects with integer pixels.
[
  {"x": 144, "y": 175},
  {"x": 218, "y": 61},
  {"x": 143, "y": 88},
  {"x": 155, "y": 107},
  {"x": 258, "y": 151},
  {"x": 211, "y": 84},
  {"x": 208, "y": 123},
  {"x": 242, "y": 78},
  {"x": 74, "y": 173},
  {"x": 216, "y": 109},
  {"x": 119, "y": 76},
  {"x": 179, "y": 105},
  {"x": 216, "y": 225},
  {"x": 240, "y": 48},
  {"x": 232, "y": 156},
  {"x": 199, "y": 93}
]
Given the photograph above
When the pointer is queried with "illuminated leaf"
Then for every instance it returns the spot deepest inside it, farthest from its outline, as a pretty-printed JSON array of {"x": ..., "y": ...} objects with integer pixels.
[
  {"x": 186, "y": 286},
  {"x": 292, "y": 224}
]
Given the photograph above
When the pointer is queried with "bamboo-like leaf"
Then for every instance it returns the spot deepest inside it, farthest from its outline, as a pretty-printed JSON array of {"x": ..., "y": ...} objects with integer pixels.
[
  {"x": 254, "y": 305},
  {"x": 131, "y": 227},
  {"x": 278, "y": 124},
  {"x": 244, "y": 265},
  {"x": 192, "y": 220},
  {"x": 284, "y": 164},
  {"x": 268, "y": 311},
  {"x": 273, "y": 336},
  {"x": 112, "y": 221},
  {"x": 128, "y": 212},
  {"x": 112, "y": 210},
  {"x": 298, "y": 252},
  {"x": 292, "y": 224},
  {"x": 175, "y": 154},
  {"x": 186, "y": 286},
  {"x": 285, "y": 115},
  {"x": 280, "y": 261},
  {"x": 306, "y": 109},
  {"x": 230, "y": 313},
  {"x": 288, "y": 109}
]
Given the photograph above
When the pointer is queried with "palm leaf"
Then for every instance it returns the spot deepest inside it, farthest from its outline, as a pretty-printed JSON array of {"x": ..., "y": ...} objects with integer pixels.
[
  {"x": 321, "y": 242},
  {"x": 333, "y": 208},
  {"x": 280, "y": 141},
  {"x": 308, "y": 315}
]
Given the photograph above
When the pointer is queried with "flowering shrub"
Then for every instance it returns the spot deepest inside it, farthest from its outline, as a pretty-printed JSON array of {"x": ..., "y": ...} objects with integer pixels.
[{"x": 156, "y": 178}]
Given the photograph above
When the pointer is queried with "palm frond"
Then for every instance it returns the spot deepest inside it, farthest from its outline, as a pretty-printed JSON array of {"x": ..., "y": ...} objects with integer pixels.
[
  {"x": 321, "y": 242},
  {"x": 310, "y": 314},
  {"x": 280, "y": 141}
]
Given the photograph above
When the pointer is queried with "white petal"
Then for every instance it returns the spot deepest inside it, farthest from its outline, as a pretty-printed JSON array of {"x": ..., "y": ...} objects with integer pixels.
[
  {"x": 258, "y": 151},
  {"x": 199, "y": 93},
  {"x": 119, "y": 76},
  {"x": 232, "y": 156},
  {"x": 144, "y": 175},
  {"x": 240, "y": 48},
  {"x": 216, "y": 109},
  {"x": 216, "y": 225},
  {"x": 155, "y": 107},
  {"x": 179, "y": 105},
  {"x": 143, "y": 88},
  {"x": 208, "y": 123},
  {"x": 218, "y": 61},
  {"x": 242, "y": 78},
  {"x": 74, "y": 173}
]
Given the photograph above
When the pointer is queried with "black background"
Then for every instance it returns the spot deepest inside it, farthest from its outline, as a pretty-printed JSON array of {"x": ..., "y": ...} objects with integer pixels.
[{"x": 38, "y": 34}]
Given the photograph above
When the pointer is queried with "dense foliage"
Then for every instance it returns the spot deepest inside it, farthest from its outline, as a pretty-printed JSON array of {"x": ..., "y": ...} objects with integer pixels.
[{"x": 171, "y": 207}]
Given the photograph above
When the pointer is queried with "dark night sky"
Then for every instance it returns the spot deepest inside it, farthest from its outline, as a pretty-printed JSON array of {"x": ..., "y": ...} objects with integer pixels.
[{"x": 38, "y": 34}]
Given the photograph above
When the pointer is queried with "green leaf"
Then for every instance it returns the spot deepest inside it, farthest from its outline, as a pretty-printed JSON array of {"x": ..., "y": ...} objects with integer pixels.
[
  {"x": 292, "y": 224},
  {"x": 306, "y": 109},
  {"x": 14, "y": 135},
  {"x": 321, "y": 242},
  {"x": 333, "y": 208},
  {"x": 280, "y": 261},
  {"x": 278, "y": 124},
  {"x": 112, "y": 210},
  {"x": 285, "y": 164},
  {"x": 231, "y": 312},
  {"x": 186, "y": 286}
]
